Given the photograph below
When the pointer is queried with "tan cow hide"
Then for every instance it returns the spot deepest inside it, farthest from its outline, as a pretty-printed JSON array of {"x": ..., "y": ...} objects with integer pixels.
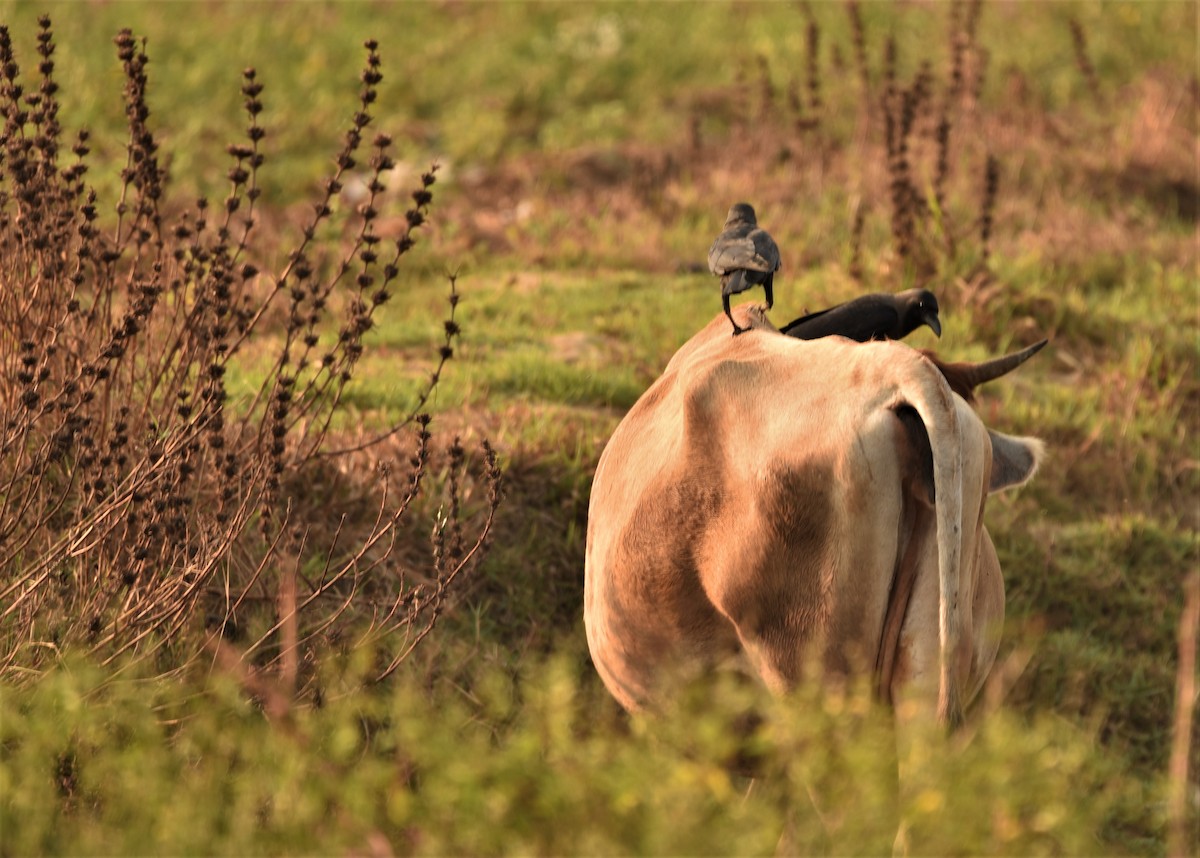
[{"x": 767, "y": 498}]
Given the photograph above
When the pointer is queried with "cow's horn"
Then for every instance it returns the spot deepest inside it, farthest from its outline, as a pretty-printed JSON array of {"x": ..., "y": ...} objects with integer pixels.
[{"x": 976, "y": 374}]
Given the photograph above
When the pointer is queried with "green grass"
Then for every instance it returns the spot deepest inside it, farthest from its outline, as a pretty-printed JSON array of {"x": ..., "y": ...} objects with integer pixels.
[
  {"x": 500, "y": 739},
  {"x": 479, "y": 81}
]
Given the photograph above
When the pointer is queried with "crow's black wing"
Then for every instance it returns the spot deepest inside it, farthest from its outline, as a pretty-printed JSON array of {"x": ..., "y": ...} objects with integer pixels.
[{"x": 871, "y": 317}]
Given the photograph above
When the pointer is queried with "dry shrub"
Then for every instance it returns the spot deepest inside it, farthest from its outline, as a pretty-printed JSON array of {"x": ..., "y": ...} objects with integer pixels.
[{"x": 140, "y": 504}]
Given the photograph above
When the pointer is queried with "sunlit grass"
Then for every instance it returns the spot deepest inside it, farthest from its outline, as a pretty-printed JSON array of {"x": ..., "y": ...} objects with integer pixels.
[{"x": 476, "y": 81}]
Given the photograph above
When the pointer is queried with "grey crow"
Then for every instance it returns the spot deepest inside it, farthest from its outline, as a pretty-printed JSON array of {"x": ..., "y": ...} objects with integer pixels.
[{"x": 743, "y": 256}]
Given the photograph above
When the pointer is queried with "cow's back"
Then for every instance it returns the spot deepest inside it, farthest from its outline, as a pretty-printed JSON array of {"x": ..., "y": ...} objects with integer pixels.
[
  {"x": 757, "y": 504},
  {"x": 709, "y": 545}
]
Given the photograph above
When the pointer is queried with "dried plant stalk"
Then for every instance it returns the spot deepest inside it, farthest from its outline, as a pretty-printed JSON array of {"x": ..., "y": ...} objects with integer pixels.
[
  {"x": 1184, "y": 728},
  {"x": 859, "y": 37},
  {"x": 856, "y": 233},
  {"x": 814, "y": 66},
  {"x": 1083, "y": 61},
  {"x": 991, "y": 183}
]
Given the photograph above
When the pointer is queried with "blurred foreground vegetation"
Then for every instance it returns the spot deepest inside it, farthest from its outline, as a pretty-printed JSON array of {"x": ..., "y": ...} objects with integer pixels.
[
  {"x": 532, "y": 763},
  {"x": 587, "y": 154}
]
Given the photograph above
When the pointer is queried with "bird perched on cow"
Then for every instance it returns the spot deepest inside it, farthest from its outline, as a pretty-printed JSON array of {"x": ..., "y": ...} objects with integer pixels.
[
  {"x": 743, "y": 256},
  {"x": 878, "y": 316}
]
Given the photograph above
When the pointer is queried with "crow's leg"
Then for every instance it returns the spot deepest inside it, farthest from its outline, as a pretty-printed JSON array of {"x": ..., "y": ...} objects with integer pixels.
[
  {"x": 769, "y": 288},
  {"x": 736, "y": 330}
]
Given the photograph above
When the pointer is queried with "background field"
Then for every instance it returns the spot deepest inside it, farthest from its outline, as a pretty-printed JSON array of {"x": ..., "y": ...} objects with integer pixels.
[{"x": 587, "y": 154}]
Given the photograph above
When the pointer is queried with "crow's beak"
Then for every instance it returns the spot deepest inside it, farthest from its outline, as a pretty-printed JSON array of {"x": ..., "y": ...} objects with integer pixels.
[{"x": 930, "y": 318}]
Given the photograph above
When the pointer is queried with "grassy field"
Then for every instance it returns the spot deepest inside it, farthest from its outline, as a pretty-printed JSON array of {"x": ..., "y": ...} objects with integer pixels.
[{"x": 587, "y": 153}]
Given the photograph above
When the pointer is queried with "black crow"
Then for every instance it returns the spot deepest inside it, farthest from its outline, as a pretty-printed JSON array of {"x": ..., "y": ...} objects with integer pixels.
[
  {"x": 878, "y": 316},
  {"x": 743, "y": 256}
]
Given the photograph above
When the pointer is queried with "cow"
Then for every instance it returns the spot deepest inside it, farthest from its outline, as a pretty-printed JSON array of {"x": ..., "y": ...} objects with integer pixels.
[{"x": 776, "y": 504}]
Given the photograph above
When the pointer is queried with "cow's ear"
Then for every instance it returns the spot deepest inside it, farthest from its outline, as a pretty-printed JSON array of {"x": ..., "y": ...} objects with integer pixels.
[{"x": 1014, "y": 460}]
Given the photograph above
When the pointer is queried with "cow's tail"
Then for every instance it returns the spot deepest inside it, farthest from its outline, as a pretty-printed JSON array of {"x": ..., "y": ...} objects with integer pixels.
[{"x": 929, "y": 394}]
